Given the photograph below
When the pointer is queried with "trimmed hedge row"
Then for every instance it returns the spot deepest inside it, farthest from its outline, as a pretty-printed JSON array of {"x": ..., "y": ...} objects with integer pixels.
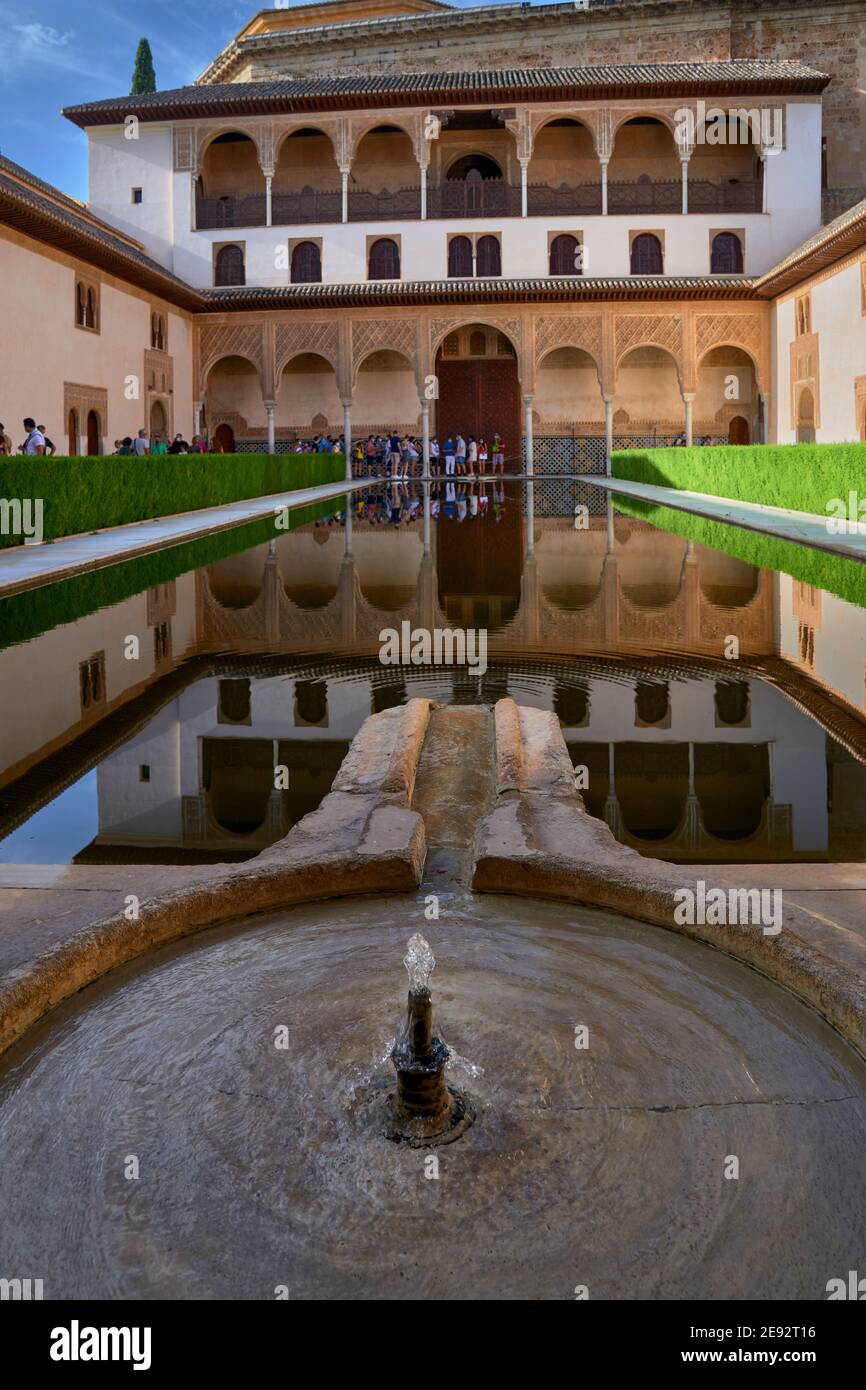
[
  {"x": 88, "y": 494},
  {"x": 832, "y": 573},
  {"x": 804, "y": 477}
]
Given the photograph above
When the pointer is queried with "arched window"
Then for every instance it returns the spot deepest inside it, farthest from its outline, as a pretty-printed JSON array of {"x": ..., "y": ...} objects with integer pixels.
[
  {"x": 384, "y": 260},
  {"x": 475, "y": 166},
  {"x": 459, "y": 257},
  {"x": 565, "y": 257},
  {"x": 646, "y": 255},
  {"x": 79, "y": 305},
  {"x": 229, "y": 268},
  {"x": 90, "y": 310},
  {"x": 488, "y": 256},
  {"x": 726, "y": 257},
  {"x": 306, "y": 264}
]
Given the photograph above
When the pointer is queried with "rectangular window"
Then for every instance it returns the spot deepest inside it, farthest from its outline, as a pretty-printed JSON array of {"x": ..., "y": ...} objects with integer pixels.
[
  {"x": 144, "y": 772},
  {"x": 137, "y": 196}
]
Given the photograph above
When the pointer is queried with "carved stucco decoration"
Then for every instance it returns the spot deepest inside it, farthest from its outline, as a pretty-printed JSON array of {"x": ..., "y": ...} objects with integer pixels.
[
  {"x": 649, "y": 330},
  {"x": 560, "y": 330},
  {"x": 82, "y": 399},
  {"x": 745, "y": 331},
  {"x": 379, "y": 335},
  {"x": 322, "y": 337},
  {"x": 230, "y": 340}
]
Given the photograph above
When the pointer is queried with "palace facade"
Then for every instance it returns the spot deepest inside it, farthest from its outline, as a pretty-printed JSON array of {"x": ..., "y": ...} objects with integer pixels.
[{"x": 580, "y": 257}]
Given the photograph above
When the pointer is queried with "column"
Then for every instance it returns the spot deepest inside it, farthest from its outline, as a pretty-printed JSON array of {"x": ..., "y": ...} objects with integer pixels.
[
  {"x": 764, "y": 166},
  {"x": 684, "y": 163},
  {"x": 344, "y": 185},
  {"x": 423, "y": 168},
  {"x": 524, "y": 189},
  {"x": 765, "y": 417},
  {"x": 688, "y": 402},
  {"x": 426, "y": 515},
  {"x": 197, "y": 408},
  {"x": 604, "y": 164},
  {"x": 528, "y": 456},
  {"x": 608, "y": 433},
  {"x": 425, "y": 439},
  {"x": 269, "y": 178},
  {"x": 347, "y": 436},
  {"x": 612, "y": 813},
  {"x": 270, "y": 407}
]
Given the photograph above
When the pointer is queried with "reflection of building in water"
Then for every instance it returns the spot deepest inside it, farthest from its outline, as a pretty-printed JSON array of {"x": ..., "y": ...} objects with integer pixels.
[{"x": 704, "y": 761}]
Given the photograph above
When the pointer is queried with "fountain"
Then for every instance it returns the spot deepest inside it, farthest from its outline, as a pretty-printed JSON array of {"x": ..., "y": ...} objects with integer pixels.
[{"x": 424, "y": 1110}]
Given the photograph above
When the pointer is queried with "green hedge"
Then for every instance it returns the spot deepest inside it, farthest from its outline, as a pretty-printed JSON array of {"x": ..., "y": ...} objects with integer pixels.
[
  {"x": 804, "y": 477},
  {"x": 832, "y": 573},
  {"x": 89, "y": 494}
]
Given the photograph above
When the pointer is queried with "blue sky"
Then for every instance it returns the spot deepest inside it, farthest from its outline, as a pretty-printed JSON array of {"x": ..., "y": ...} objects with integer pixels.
[{"x": 55, "y": 53}]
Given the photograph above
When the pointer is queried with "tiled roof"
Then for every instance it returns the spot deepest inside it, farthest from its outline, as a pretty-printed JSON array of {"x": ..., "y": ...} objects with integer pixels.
[
  {"x": 845, "y": 233},
  {"x": 565, "y": 288},
  {"x": 38, "y": 210},
  {"x": 289, "y": 95}
]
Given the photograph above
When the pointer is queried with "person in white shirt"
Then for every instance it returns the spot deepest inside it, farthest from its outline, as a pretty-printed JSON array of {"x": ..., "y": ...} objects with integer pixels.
[
  {"x": 141, "y": 444},
  {"x": 461, "y": 454},
  {"x": 35, "y": 442},
  {"x": 472, "y": 455}
]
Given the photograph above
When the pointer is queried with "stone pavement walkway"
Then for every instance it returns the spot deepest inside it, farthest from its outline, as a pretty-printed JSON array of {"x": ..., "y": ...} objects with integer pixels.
[
  {"x": 782, "y": 523},
  {"x": 25, "y": 567}
]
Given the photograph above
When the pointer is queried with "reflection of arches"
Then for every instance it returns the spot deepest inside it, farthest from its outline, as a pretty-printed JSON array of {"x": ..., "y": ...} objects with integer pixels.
[
  {"x": 306, "y": 264},
  {"x": 726, "y": 255},
  {"x": 646, "y": 255},
  {"x": 94, "y": 442},
  {"x": 652, "y": 702},
  {"x": 732, "y": 702},
  {"x": 311, "y": 702},
  {"x": 229, "y": 266},
  {"x": 72, "y": 431},
  {"x": 738, "y": 431},
  {"x": 471, "y": 168},
  {"x": 384, "y": 260},
  {"x": 238, "y": 777}
]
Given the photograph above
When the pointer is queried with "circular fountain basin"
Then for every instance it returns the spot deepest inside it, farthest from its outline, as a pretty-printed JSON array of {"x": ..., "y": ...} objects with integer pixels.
[{"x": 158, "y": 1140}]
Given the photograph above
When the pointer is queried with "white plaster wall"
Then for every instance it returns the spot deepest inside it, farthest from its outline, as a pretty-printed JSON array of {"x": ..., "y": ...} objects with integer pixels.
[
  {"x": 39, "y": 319},
  {"x": 165, "y": 219},
  {"x": 841, "y": 328},
  {"x": 117, "y": 165}
]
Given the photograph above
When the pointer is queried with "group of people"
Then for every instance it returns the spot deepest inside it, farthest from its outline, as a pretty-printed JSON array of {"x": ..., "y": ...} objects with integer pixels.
[
  {"x": 400, "y": 457},
  {"x": 36, "y": 440},
  {"x": 142, "y": 445}
]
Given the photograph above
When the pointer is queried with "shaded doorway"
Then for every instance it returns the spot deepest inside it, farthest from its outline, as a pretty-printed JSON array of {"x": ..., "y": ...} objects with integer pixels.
[
  {"x": 158, "y": 422},
  {"x": 479, "y": 390},
  {"x": 93, "y": 437},
  {"x": 738, "y": 431},
  {"x": 225, "y": 439},
  {"x": 72, "y": 433}
]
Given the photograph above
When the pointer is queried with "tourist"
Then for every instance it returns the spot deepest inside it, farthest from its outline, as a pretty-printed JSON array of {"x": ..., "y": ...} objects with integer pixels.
[
  {"x": 141, "y": 444},
  {"x": 460, "y": 454},
  {"x": 394, "y": 454},
  {"x": 178, "y": 445},
  {"x": 498, "y": 454},
  {"x": 482, "y": 456},
  {"x": 471, "y": 455},
  {"x": 196, "y": 447},
  {"x": 449, "y": 457},
  {"x": 159, "y": 445},
  {"x": 35, "y": 441},
  {"x": 434, "y": 457},
  {"x": 5, "y": 441},
  {"x": 126, "y": 446},
  {"x": 50, "y": 446}
]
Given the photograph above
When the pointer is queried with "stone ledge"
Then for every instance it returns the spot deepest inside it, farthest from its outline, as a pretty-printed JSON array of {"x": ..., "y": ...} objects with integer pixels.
[
  {"x": 363, "y": 838},
  {"x": 539, "y": 841}
]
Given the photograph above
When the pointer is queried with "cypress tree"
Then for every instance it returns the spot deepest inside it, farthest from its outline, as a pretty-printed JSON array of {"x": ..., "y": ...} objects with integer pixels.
[{"x": 144, "y": 77}]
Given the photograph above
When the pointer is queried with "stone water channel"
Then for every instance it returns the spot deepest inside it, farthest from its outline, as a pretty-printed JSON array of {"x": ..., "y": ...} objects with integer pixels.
[{"x": 242, "y": 1067}]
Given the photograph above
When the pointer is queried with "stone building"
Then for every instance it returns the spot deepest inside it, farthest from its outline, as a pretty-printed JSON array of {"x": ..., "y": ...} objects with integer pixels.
[{"x": 579, "y": 257}]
